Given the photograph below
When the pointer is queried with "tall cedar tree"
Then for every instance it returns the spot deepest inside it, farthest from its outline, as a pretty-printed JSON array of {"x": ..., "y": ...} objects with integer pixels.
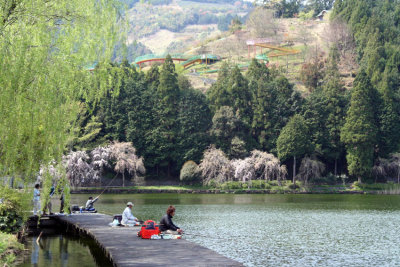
[
  {"x": 225, "y": 126},
  {"x": 194, "y": 119},
  {"x": 167, "y": 129},
  {"x": 336, "y": 107},
  {"x": 359, "y": 132},
  {"x": 218, "y": 95},
  {"x": 240, "y": 95},
  {"x": 294, "y": 142}
]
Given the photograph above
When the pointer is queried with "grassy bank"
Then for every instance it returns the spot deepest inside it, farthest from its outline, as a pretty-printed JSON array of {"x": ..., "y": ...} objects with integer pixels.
[{"x": 9, "y": 249}]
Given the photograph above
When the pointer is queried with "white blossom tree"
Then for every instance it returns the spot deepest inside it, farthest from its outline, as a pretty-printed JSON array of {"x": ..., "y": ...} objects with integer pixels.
[
  {"x": 126, "y": 160},
  {"x": 51, "y": 169},
  {"x": 260, "y": 165},
  {"x": 381, "y": 168},
  {"x": 310, "y": 168},
  {"x": 394, "y": 164},
  {"x": 78, "y": 169},
  {"x": 215, "y": 165},
  {"x": 267, "y": 166},
  {"x": 244, "y": 169},
  {"x": 100, "y": 159}
]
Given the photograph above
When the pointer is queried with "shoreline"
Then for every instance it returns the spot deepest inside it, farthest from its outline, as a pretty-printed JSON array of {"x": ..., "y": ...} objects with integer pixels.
[{"x": 220, "y": 191}]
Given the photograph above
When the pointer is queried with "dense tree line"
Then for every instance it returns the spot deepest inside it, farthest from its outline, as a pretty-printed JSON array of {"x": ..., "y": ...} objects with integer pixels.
[
  {"x": 170, "y": 123},
  {"x": 159, "y": 112},
  {"x": 375, "y": 132}
]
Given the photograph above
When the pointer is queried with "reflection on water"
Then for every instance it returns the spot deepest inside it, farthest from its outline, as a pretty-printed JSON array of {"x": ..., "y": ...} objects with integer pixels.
[
  {"x": 61, "y": 250},
  {"x": 279, "y": 230}
]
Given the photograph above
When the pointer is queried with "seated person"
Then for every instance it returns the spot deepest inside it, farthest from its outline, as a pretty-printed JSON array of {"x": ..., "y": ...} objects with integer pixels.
[
  {"x": 127, "y": 216},
  {"x": 89, "y": 204},
  {"x": 166, "y": 224}
]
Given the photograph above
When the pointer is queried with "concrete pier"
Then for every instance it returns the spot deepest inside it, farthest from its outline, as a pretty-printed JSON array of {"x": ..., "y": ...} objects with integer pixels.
[{"x": 122, "y": 246}]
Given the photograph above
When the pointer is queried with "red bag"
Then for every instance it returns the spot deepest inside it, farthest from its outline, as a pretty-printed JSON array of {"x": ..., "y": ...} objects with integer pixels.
[{"x": 149, "y": 228}]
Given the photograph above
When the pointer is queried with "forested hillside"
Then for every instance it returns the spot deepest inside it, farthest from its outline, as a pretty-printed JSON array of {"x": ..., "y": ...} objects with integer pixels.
[
  {"x": 331, "y": 130},
  {"x": 376, "y": 29}
]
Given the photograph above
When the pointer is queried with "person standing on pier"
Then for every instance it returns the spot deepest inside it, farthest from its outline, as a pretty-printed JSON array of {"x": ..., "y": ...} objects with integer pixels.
[
  {"x": 49, "y": 205},
  {"x": 166, "y": 224},
  {"x": 36, "y": 199},
  {"x": 127, "y": 216}
]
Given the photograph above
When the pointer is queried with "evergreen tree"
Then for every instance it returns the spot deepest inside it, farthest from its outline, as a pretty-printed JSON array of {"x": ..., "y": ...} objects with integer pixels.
[
  {"x": 240, "y": 96},
  {"x": 218, "y": 94},
  {"x": 265, "y": 117},
  {"x": 294, "y": 141},
  {"x": 359, "y": 132},
  {"x": 315, "y": 114},
  {"x": 194, "y": 120},
  {"x": 319, "y": 5},
  {"x": 225, "y": 125},
  {"x": 275, "y": 102},
  {"x": 153, "y": 77},
  {"x": 166, "y": 132},
  {"x": 256, "y": 72},
  {"x": 238, "y": 148},
  {"x": 336, "y": 107},
  {"x": 389, "y": 117}
]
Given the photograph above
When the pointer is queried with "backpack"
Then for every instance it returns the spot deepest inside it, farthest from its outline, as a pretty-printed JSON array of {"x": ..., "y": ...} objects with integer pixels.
[{"x": 148, "y": 229}]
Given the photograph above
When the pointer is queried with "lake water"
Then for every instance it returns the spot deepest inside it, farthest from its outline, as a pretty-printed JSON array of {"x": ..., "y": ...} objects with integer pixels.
[
  {"x": 57, "y": 249},
  {"x": 278, "y": 230}
]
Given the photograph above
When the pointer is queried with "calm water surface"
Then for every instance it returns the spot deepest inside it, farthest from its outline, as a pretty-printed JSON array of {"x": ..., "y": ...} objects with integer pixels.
[
  {"x": 60, "y": 250},
  {"x": 279, "y": 230}
]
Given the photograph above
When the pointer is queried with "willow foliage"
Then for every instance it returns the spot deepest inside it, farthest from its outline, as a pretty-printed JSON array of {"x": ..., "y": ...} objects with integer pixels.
[{"x": 45, "y": 50}]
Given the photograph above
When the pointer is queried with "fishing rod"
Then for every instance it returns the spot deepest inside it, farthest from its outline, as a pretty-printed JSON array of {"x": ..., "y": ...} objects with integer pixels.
[
  {"x": 213, "y": 237},
  {"x": 108, "y": 185}
]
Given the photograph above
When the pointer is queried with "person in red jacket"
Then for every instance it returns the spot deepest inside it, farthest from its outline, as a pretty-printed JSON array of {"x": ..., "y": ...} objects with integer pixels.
[{"x": 166, "y": 224}]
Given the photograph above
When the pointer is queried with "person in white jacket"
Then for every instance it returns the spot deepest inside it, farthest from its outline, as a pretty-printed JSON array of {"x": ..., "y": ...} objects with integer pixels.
[{"x": 127, "y": 216}]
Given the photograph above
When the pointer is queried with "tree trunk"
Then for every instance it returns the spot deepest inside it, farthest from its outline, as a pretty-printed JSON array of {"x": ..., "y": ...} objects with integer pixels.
[
  {"x": 294, "y": 170},
  {"x": 359, "y": 179},
  {"x": 335, "y": 166},
  {"x": 123, "y": 179}
]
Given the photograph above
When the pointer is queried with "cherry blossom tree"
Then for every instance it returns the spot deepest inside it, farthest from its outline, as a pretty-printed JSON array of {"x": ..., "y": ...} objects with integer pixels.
[
  {"x": 244, "y": 169},
  {"x": 78, "y": 169},
  {"x": 100, "y": 160},
  {"x": 126, "y": 160},
  {"x": 216, "y": 165},
  {"x": 310, "y": 168}
]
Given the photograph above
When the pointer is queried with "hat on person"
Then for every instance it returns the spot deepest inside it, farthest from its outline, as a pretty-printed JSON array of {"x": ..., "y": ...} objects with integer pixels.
[{"x": 129, "y": 204}]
